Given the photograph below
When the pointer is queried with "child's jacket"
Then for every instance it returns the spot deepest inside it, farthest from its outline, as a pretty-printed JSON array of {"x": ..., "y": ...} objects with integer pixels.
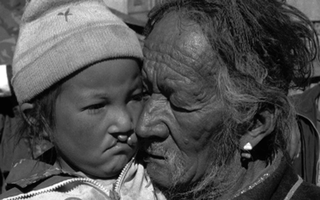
[{"x": 33, "y": 180}]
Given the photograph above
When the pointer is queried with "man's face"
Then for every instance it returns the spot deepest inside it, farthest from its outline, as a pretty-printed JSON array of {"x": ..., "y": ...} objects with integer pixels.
[{"x": 183, "y": 116}]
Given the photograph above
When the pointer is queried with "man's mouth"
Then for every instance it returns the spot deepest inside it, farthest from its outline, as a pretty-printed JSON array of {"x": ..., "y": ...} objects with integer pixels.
[
  {"x": 155, "y": 156},
  {"x": 152, "y": 154},
  {"x": 153, "y": 151}
]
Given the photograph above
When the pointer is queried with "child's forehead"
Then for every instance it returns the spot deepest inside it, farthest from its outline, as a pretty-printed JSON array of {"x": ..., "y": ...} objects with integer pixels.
[{"x": 106, "y": 77}]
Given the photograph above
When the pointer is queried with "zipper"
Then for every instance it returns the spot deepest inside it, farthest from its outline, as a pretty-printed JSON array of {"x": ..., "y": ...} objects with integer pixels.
[
  {"x": 88, "y": 181},
  {"x": 120, "y": 179},
  {"x": 116, "y": 187}
]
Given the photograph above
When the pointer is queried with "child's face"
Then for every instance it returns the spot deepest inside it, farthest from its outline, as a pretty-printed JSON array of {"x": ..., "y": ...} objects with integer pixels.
[{"x": 96, "y": 112}]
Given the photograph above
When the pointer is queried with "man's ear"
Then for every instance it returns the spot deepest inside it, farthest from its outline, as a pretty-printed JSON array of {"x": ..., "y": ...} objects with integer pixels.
[{"x": 262, "y": 127}]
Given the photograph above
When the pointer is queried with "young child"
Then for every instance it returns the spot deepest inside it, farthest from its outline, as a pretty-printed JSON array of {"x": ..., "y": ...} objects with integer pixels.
[{"x": 76, "y": 75}]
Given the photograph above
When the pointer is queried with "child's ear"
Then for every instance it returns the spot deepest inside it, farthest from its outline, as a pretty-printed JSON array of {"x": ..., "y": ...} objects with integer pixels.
[
  {"x": 25, "y": 109},
  {"x": 263, "y": 126}
]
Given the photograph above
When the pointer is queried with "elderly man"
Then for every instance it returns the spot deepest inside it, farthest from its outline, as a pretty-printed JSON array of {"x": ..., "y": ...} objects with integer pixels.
[{"x": 218, "y": 122}]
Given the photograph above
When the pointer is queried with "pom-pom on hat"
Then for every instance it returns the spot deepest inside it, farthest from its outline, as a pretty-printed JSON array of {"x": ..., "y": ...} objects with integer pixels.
[{"x": 60, "y": 37}]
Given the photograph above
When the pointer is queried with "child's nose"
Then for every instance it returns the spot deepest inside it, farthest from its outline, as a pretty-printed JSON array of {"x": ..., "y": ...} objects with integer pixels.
[{"x": 122, "y": 124}]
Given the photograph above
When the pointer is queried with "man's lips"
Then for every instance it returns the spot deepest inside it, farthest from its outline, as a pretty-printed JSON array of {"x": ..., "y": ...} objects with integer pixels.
[
  {"x": 154, "y": 155},
  {"x": 153, "y": 150}
]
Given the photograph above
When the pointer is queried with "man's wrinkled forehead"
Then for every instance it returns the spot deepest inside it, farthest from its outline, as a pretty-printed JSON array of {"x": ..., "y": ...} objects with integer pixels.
[{"x": 183, "y": 41}]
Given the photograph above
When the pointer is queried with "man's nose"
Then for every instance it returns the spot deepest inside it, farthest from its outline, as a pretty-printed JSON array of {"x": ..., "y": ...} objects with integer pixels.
[{"x": 152, "y": 121}]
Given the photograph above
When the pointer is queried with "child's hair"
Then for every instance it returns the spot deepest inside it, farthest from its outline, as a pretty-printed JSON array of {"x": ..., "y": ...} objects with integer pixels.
[
  {"x": 57, "y": 39},
  {"x": 43, "y": 115},
  {"x": 60, "y": 37}
]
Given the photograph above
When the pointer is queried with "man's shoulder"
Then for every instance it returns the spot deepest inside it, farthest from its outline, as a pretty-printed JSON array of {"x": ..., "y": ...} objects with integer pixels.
[{"x": 307, "y": 191}]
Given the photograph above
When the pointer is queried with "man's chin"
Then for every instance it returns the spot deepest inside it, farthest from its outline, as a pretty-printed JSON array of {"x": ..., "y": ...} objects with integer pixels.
[
  {"x": 163, "y": 180},
  {"x": 160, "y": 175},
  {"x": 166, "y": 177}
]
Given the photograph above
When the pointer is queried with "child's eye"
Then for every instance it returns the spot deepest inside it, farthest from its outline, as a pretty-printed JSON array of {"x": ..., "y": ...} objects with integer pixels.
[{"x": 95, "y": 108}]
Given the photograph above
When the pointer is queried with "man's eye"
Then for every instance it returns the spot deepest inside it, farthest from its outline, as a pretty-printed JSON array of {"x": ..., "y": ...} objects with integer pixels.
[
  {"x": 141, "y": 96},
  {"x": 145, "y": 95},
  {"x": 179, "y": 108}
]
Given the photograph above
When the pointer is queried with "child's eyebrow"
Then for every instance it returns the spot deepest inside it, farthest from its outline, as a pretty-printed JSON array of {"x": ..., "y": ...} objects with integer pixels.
[{"x": 95, "y": 95}]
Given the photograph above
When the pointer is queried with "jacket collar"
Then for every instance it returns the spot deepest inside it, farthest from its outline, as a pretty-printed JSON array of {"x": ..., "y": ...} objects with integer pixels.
[
  {"x": 273, "y": 184},
  {"x": 27, "y": 172}
]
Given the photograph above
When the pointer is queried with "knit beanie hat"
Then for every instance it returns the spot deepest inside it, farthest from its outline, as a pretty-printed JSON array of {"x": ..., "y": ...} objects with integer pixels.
[{"x": 59, "y": 37}]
